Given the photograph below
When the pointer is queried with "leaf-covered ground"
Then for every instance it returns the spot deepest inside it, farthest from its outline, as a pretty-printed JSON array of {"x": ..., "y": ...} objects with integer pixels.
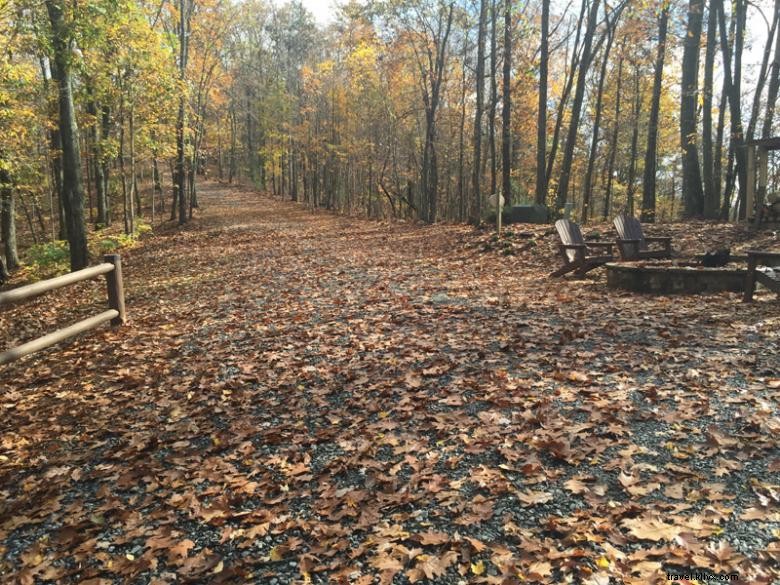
[{"x": 304, "y": 397}]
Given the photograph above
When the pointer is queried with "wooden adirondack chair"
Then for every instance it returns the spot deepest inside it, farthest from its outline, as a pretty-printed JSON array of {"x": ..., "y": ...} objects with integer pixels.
[
  {"x": 633, "y": 244},
  {"x": 769, "y": 278},
  {"x": 576, "y": 252}
]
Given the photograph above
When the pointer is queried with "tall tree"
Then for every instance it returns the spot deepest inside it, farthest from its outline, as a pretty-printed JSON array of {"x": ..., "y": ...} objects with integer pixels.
[
  {"x": 711, "y": 203},
  {"x": 570, "y": 75},
  {"x": 430, "y": 57},
  {"x": 693, "y": 194},
  {"x": 587, "y": 185},
  {"x": 493, "y": 96},
  {"x": 180, "y": 181},
  {"x": 506, "y": 108},
  {"x": 774, "y": 81},
  {"x": 72, "y": 185},
  {"x": 579, "y": 93},
  {"x": 8, "y": 220},
  {"x": 541, "y": 122},
  {"x": 476, "y": 171},
  {"x": 614, "y": 140},
  {"x": 732, "y": 84}
]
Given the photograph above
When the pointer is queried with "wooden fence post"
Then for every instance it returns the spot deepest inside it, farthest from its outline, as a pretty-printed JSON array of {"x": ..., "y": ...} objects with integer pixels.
[{"x": 115, "y": 287}]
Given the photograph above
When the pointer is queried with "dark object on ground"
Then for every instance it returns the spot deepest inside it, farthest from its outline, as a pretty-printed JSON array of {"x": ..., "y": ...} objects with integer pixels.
[
  {"x": 633, "y": 244},
  {"x": 717, "y": 258},
  {"x": 3, "y": 273},
  {"x": 575, "y": 251},
  {"x": 769, "y": 276},
  {"x": 526, "y": 214}
]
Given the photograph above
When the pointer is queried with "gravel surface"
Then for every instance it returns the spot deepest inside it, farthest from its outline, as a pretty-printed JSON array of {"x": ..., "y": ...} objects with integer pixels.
[{"x": 310, "y": 398}]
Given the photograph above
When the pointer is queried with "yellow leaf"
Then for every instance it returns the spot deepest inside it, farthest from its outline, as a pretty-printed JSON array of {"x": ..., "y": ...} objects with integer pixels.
[
  {"x": 602, "y": 563},
  {"x": 218, "y": 568},
  {"x": 130, "y": 557},
  {"x": 478, "y": 568}
]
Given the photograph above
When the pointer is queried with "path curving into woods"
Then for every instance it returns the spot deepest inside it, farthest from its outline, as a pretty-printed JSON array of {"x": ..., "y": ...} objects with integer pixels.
[{"x": 306, "y": 397}]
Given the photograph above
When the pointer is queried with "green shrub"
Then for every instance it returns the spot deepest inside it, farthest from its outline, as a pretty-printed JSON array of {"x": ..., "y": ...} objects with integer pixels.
[
  {"x": 141, "y": 228},
  {"x": 49, "y": 254}
]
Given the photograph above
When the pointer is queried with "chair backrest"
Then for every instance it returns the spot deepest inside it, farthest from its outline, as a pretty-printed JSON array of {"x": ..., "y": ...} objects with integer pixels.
[
  {"x": 629, "y": 228},
  {"x": 570, "y": 233}
]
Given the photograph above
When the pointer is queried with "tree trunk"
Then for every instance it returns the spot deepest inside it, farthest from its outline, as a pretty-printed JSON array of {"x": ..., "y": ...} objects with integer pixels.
[
  {"x": 541, "y": 120},
  {"x": 711, "y": 204},
  {"x": 693, "y": 194},
  {"x": 774, "y": 82},
  {"x": 648, "y": 182},
  {"x": 127, "y": 205},
  {"x": 105, "y": 133},
  {"x": 565, "y": 95},
  {"x": 72, "y": 184},
  {"x": 8, "y": 220},
  {"x": 55, "y": 150},
  {"x": 97, "y": 167},
  {"x": 493, "y": 99},
  {"x": 717, "y": 164},
  {"x": 732, "y": 83},
  {"x": 181, "y": 120},
  {"x": 579, "y": 93},
  {"x": 462, "y": 140},
  {"x": 135, "y": 198},
  {"x": 506, "y": 108},
  {"x": 587, "y": 184},
  {"x": 631, "y": 187},
  {"x": 431, "y": 96},
  {"x": 476, "y": 174},
  {"x": 614, "y": 141}
]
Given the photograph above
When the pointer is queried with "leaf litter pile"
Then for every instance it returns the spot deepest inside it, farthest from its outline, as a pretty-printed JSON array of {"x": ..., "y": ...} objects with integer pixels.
[{"x": 307, "y": 398}]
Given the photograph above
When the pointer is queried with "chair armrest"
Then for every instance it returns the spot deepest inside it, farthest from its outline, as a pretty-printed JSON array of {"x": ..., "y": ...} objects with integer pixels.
[
  {"x": 622, "y": 241},
  {"x": 600, "y": 244},
  {"x": 572, "y": 246},
  {"x": 658, "y": 239}
]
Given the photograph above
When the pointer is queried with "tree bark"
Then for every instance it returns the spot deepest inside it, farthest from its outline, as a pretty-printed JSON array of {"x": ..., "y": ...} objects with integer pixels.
[
  {"x": 631, "y": 187},
  {"x": 462, "y": 140},
  {"x": 8, "y": 220},
  {"x": 567, "y": 86},
  {"x": 476, "y": 174},
  {"x": 181, "y": 120},
  {"x": 693, "y": 194},
  {"x": 614, "y": 141},
  {"x": 732, "y": 84},
  {"x": 774, "y": 82},
  {"x": 431, "y": 97},
  {"x": 579, "y": 93},
  {"x": 105, "y": 133},
  {"x": 493, "y": 98},
  {"x": 541, "y": 120},
  {"x": 711, "y": 204},
  {"x": 72, "y": 184},
  {"x": 97, "y": 167},
  {"x": 506, "y": 108},
  {"x": 587, "y": 184}
]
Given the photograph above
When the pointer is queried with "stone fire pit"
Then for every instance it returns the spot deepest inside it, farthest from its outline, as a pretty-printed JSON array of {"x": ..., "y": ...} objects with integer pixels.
[{"x": 672, "y": 277}]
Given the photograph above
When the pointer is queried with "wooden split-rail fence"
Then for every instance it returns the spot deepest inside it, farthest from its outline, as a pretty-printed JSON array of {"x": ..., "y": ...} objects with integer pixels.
[{"x": 111, "y": 267}]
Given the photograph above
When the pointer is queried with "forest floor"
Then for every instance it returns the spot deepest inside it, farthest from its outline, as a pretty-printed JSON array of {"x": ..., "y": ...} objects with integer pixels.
[{"x": 304, "y": 397}]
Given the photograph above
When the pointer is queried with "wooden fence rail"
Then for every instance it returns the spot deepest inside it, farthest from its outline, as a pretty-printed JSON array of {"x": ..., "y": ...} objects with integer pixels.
[{"x": 111, "y": 267}]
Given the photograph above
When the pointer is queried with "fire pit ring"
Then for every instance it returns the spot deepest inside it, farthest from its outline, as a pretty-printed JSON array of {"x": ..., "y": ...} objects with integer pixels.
[{"x": 672, "y": 277}]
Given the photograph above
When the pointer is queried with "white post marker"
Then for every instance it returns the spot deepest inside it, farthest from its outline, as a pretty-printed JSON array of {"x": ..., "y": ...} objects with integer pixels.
[{"x": 497, "y": 201}]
